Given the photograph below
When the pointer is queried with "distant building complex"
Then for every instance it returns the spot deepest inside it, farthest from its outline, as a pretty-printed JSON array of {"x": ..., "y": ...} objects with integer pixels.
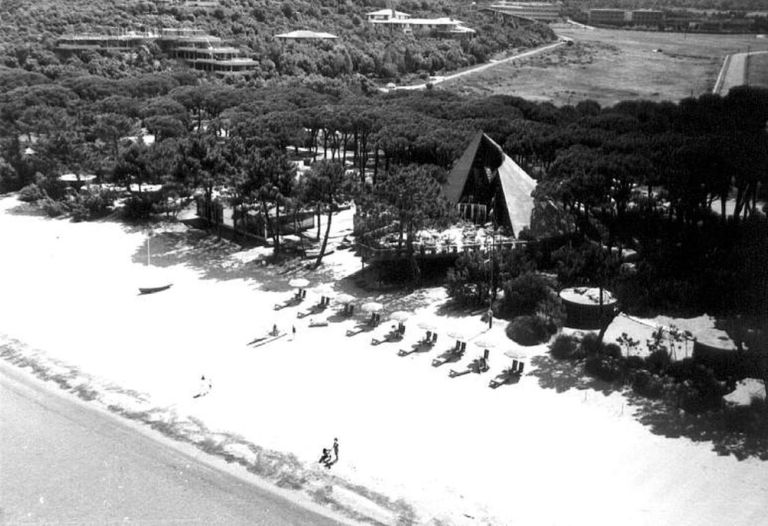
[
  {"x": 620, "y": 17},
  {"x": 196, "y": 48},
  {"x": 538, "y": 11},
  {"x": 443, "y": 27}
]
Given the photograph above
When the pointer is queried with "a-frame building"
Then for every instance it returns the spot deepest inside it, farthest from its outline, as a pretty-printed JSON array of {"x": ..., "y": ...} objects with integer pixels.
[{"x": 487, "y": 185}]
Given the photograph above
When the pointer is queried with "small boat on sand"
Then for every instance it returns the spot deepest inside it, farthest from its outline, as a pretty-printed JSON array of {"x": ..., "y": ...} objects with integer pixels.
[{"x": 156, "y": 287}]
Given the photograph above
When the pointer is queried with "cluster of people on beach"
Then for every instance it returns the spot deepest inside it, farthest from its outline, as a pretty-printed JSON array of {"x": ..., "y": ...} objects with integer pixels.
[{"x": 326, "y": 459}]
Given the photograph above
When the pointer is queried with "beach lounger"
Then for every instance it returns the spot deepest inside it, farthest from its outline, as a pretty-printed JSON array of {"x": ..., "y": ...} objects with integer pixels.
[
  {"x": 321, "y": 323},
  {"x": 479, "y": 366},
  {"x": 421, "y": 346},
  {"x": 295, "y": 300},
  {"x": 511, "y": 374},
  {"x": 315, "y": 309},
  {"x": 394, "y": 335},
  {"x": 452, "y": 355}
]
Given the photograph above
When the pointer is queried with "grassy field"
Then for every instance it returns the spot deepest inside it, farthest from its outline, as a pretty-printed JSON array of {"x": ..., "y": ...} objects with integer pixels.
[
  {"x": 758, "y": 70},
  {"x": 609, "y": 65}
]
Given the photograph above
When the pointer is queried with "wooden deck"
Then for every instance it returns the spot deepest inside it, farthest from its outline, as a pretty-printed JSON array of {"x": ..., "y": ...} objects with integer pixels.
[{"x": 377, "y": 255}]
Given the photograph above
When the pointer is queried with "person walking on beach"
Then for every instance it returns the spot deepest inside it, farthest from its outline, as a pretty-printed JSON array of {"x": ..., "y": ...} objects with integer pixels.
[
  {"x": 336, "y": 450},
  {"x": 293, "y": 328}
]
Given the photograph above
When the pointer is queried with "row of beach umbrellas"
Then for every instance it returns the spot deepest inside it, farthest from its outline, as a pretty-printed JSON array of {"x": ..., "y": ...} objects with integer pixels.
[{"x": 401, "y": 316}]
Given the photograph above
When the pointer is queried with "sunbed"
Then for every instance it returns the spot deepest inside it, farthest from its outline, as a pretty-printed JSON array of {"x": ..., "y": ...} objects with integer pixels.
[
  {"x": 479, "y": 365},
  {"x": 296, "y": 299},
  {"x": 366, "y": 326},
  {"x": 394, "y": 335},
  {"x": 452, "y": 355},
  {"x": 508, "y": 375},
  {"x": 423, "y": 345}
]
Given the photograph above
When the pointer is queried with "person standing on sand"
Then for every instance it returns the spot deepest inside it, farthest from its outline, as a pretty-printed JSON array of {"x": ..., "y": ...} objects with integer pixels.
[
  {"x": 336, "y": 450},
  {"x": 293, "y": 328}
]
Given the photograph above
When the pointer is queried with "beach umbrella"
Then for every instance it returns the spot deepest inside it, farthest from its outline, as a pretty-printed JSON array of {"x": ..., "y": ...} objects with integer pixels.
[
  {"x": 400, "y": 315},
  {"x": 485, "y": 344},
  {"x": 299, "y": 282},
  {"x": 457, "y": 335},
  {"x": 427, "y": 325},
  {"x": 372, "y": 306},
  {"x": 343, "y": 297}
]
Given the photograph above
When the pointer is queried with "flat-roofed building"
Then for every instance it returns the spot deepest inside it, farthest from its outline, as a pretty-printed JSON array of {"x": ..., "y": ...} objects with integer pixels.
[
  {"x": 611, "y": 17},
  {"x": 539, "y": 11},
  {"x": 387, "y": 14},
  {"x": 121, "y": 41},
  {"x": 647, "y": 17},
  {"x": 306, "y": 35},
  {"x": 443, "y": 26}
]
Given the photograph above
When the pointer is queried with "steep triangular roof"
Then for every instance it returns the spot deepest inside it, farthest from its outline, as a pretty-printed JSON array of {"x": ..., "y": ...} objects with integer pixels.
[
  {"x": 516, "y": 184},
  {"x": 517, "y": 187},
  {"x": 457, "y": 178}
]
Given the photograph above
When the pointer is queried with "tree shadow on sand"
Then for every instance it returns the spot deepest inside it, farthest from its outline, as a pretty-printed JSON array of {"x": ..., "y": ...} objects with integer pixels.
[
  {"x": 213, "y": 258},
  {"x": 737, "y": 431}
]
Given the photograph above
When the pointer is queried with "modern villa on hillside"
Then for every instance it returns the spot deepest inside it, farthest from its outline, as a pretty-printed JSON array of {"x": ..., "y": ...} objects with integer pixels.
[
  {"x": 443, "y": 27},
  {"x": 196, "y": 48}
]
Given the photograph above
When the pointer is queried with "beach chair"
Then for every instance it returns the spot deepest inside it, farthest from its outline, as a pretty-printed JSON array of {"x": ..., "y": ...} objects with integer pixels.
[
  {"x": 509, "y": 375},
  {"x": 296, "y": 299},
  {"x": 394, "y": 335},
  {"x": 423, "y": 345},
  {"x": 479, "y": 366},
  {"x": 452, "y": 355},
  {"x": 315, "y": 309}
]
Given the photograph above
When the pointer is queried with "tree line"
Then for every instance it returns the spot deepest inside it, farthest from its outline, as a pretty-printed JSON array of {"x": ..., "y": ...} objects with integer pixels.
[
  {"x": 680, "y": 185},
  {"x": 31, "y": 30}
]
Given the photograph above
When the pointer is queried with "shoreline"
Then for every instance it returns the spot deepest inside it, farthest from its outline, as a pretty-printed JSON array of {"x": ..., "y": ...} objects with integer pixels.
[{"x": 192, "y": 452}]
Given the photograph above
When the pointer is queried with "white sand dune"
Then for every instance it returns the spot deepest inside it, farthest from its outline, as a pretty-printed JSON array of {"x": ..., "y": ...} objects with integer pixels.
[{"x": 453, "y": 449}]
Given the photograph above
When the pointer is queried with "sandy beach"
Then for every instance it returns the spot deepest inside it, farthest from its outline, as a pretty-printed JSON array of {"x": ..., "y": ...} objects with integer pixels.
[{"x": 416, "y": 446}]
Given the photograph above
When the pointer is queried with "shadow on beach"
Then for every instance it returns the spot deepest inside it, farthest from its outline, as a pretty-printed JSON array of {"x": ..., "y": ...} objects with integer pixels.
[{"x": 723, "y": 428}]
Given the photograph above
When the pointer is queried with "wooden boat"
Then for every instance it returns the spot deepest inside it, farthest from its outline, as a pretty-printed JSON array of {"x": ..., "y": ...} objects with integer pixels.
[{"x": 152, "y": 290}]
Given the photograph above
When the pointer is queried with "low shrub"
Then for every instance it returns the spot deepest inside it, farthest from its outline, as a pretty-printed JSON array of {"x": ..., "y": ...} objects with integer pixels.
[
  {"x": 54, "y": 208},
  {"x": 648, "y": 385},
  {"x": 608, "y": 369},
  {"x": 92, "y": 204},
  {"x": 681, "y": 370},
  {"x": 523, "y": 293},
  {"x": 565, "y": 347},
  {"x": 658, "y": 361},
  {"x": 611, "y": 350},
  {"x": 137, "y": 208},
  {"x": 528, "y": 330},
  {"x": 590, "y": 344},
  {"x": 551, "y": 310},
  {"x": 634, "y": 362},
  {"x": 31, "y": 193}
]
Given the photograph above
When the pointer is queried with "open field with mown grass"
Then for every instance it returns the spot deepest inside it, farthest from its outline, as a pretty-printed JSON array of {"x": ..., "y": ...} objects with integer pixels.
[
  {"x": 758, "y": 70},
  {"x": 608, "y": 66}
]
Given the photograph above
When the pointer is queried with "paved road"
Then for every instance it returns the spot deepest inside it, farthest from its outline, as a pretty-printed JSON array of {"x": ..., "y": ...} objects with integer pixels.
[
  {"x": 487, "y": 65},
  {"x": 64, "y": 463},
  {"x": 733, "y": 72}
]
